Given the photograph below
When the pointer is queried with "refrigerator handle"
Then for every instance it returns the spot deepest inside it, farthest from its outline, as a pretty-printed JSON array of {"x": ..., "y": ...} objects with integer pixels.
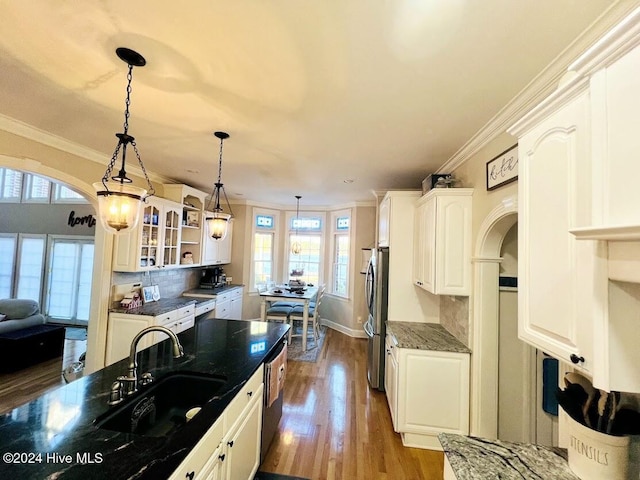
[{"x": 368, "y": 329}]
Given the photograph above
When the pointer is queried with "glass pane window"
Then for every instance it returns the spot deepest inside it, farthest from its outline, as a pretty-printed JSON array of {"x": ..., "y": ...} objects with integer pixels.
[
  {"x": 66, "y": 195},
  {"x": 306, "y": 224},
  {"x": 30, "y": 268},
  {"x": 7, "y": 258},
  {"x": 71, "y": 268},
  {"x": 305, "y": 265},
  {"x": 342, "y": 223},
  {"x": 262, "y": 259},
  {"x": 10, "y": 185},
  {"x": 341, "y": 265},
  {"x": 37, "y": 189},
  {"x": 264, "y": 221}
]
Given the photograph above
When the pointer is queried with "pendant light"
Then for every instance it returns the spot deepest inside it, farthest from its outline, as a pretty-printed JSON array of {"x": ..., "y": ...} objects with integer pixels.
[
  {"x": 218, "y": 225},
  {"x": 119, "y": 202},
  {"x": 296, "y": 246}
]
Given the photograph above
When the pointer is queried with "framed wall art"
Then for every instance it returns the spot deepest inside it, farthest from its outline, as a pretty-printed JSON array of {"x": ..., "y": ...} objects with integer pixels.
[{"x": 503, "y": 169}]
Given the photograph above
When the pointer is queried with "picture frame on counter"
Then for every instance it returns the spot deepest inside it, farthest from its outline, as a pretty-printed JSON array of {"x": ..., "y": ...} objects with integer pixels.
[
  {"x": 147, "y": 294},
  {"x": 502, "y": 169}
]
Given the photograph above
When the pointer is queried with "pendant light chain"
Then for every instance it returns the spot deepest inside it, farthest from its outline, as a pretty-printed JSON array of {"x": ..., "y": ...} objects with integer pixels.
[{"x": 218, "y": 186}]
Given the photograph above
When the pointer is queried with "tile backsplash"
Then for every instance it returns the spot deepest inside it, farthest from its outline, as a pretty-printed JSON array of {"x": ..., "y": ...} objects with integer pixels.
[
  {"x": 454, "y": 316},
  {"x": 171, "y": 282}
]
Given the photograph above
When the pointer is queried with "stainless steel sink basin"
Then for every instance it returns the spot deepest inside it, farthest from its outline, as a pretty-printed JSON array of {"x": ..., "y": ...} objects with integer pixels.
[{"x": 160, "y": 408}]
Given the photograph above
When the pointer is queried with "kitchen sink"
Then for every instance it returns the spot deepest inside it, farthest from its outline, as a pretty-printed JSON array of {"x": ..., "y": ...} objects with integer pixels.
[{"x": 161, "y": 408}]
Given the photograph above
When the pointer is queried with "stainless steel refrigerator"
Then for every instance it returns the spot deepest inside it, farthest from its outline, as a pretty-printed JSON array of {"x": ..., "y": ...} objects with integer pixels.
[{"x": 376, "y": 292}]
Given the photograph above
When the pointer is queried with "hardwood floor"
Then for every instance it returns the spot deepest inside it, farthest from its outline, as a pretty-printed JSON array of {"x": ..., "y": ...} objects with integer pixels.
[
  {"x": 335, "y": 427},
  {"x": 24, "y": 385}
]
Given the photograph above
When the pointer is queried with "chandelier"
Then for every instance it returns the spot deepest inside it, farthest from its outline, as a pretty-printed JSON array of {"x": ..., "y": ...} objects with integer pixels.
[
  {"x": 296, "y": 246},
  {"x": 218, "y": 225},
  {"x": 119, "y": 202}
]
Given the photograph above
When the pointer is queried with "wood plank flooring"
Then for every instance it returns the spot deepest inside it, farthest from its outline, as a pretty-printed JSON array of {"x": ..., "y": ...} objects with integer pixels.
[
  {"x": 335, "y": 427},
  {"x": 24, "y": 385}
]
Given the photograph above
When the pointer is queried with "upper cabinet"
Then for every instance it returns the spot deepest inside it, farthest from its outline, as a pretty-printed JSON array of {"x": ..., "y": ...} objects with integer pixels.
[
  {"x": 216, "y": 252},
  {"x": 442, "y": 241},
  {"x": 555, "y": 271},
  {"x": 577, "y": 199},
  {"x": 384, "y": 221},
  {"x": 154, "y": 242},
  {"x": 192, "y": 223}
]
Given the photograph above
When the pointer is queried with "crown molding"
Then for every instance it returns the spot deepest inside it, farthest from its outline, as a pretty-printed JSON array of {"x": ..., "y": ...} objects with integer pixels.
[
  {"x": 24, "y": 130},
  {"x": 541, "y": 86}
]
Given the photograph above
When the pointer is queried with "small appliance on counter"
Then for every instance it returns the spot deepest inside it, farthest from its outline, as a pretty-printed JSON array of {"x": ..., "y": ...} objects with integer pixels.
[{"x": 213, "y": 278}]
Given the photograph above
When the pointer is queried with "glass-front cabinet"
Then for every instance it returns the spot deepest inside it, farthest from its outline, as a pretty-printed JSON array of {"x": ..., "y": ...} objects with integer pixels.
[{"x": 154, "y": 243}]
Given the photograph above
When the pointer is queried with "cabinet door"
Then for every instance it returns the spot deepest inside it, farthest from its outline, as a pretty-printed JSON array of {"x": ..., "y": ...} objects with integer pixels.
[
  {"x": 384, "y": 222},
  {"x": 391, "y": 380},
  {"x": 433, "y": 392},
  {"x": 120, "y": 332},
  {"x": 171, "y": 236},
  {"x": 556, "y": 271},
  {"x": 243, "y": 448},
  {"x": 428, "y": 245},
  {"x": 210, "y": 247},
  {"x": 418, "y": 248},
  {"x": 452, "y": 232},
  {"x": 224, "y": 246},
  {"x": 201, "y": 461},
  {"x": 223, "y": 309}
]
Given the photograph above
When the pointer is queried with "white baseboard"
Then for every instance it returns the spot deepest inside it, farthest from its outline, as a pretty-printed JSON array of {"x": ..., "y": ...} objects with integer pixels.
[{"x": 356, "y": 333}]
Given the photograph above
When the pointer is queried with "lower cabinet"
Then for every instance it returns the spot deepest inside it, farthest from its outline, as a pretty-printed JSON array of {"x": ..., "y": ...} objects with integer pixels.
[
  {"x": 230, "y": 450},
  {"x": 391, "y": 378},
  {"x": 428, "y": 393},
  {"x": 123, "y": 327},
  {"x": 229, "y": 304}
]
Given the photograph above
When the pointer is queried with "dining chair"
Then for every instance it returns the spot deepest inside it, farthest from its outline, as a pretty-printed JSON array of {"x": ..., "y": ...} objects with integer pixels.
[
  {"x": 278, "y": 314},
  {"x": 297, "y": 312}
]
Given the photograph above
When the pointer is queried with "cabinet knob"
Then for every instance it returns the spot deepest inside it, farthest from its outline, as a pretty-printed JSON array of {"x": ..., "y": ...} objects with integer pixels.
[
  {"x": 221, "y": 457},
  {"x": 190, "y": 475},
  {"x": 230, "y": 443},
  {"x": 575, "y": 358},
  {"x": 249, "y": 394}
]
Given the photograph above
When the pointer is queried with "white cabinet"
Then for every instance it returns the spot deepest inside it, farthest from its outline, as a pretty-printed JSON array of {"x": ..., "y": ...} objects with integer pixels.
[
  {"x": 557, "y": 273},
  {"x": 384, "y": 221},
  {"x": 230, "y": 449},
  {"x": 123, "y": 327},
  {"x": 391, "y": 378},
  {"x": 191, "y": 224},
  {"x": 154, "y": 243},
  {"x": 229, "y": 304},
  {"x": 235, "y": 309},
  {"x": 428, "y": 394},
  {"x": 216, "y": 252},
  {"x": 442, "y": 247},
  {"x": 405, "y": 300}
]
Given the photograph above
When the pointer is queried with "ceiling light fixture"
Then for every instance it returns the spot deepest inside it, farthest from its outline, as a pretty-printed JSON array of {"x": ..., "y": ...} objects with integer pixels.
[
  {"x": 296, "y": 246},
  {"x": 219, "y": 224},
  {"x": 119, "y": 202}
]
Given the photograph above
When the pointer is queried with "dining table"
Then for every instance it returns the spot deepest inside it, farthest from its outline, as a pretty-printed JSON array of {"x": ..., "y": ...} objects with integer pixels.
[{"x": 288, "y": 294}]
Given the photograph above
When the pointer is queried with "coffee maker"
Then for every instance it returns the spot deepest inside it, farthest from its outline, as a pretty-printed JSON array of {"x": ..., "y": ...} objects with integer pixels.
[{"x": 213, "y": 277}]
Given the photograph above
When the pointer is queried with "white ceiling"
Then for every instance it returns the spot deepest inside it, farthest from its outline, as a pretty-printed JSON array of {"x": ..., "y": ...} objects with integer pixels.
[{"x": 313, "y": 93}]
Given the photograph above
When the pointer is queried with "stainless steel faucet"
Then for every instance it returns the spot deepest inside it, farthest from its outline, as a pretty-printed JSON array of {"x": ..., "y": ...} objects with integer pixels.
[{"x": 129, "y": 384}]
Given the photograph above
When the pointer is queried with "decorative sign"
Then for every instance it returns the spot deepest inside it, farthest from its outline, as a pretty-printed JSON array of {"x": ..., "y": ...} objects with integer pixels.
[
  {"x": 88, "y": 220},
  {"x": 503, "y": 169}
]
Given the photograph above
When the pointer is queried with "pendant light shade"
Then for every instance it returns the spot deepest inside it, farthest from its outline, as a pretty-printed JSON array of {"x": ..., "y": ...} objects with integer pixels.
[
  {"x": 296, "y": 246},
  {"x": 119, "y": 201},
  {"x": 218, "y": 221}
]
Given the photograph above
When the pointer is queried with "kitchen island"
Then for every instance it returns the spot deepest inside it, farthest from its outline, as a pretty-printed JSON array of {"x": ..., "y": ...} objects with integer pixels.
[{"x": 55, "y": 436}]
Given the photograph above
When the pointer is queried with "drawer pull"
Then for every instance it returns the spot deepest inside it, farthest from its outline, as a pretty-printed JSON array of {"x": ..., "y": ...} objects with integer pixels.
[
  {"x": 221, "y": 457},
  {"x": 249, "y": 394},
  {"x": 230, "y": 443}
]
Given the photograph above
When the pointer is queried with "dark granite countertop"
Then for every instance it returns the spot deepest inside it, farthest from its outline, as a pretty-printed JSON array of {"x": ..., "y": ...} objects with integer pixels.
[
  {"x": 60, "y": 423},
  {"x": 474, "y": 458},
  {"x": 154, "y": 309},
  {"x": 425, "y": 336}
]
